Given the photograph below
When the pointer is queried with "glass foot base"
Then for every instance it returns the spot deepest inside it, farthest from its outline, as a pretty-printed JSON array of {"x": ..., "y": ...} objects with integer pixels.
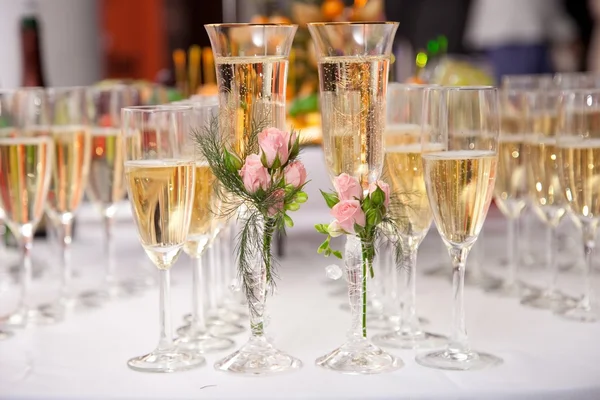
[
  {"x": 24, "y": 318},
  {"x": 549, "y": 300},
  {"x": 172, "y": 360},
  {"x": 258, "y": 357},
  {"x": 203, "y": 342},
  {"x": 359, "y": 357},
  {"x": 410, "y": 340},
  {"x": 481, "y": 279},
  {"x": 223, "y": 328},
  {"x": 96, "y": 298},
  {"x": 387, "y": 323},
  {"x": 514, "y": 289},
  {"x": 580, "y": 313},
  {"x": 457, "y": 361}
]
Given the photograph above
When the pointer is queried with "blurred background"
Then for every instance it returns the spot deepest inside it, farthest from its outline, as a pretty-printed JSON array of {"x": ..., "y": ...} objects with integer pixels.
[{"x": 454, "y": 42}]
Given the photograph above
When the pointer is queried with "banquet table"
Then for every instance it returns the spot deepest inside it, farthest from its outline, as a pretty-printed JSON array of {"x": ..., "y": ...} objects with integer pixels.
[{"x": 85, "y": 356}]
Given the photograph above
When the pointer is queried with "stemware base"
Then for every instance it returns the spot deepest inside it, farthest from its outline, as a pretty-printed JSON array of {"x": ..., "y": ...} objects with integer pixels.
[
  {"x": 580, "y": 312},
  {"x": 25, "y": 317},
  {"x": 191, "y": 338},
  {"x": 167, "y": 360},
  {"x": 387, "y": 323},
  {"x": 516, "y": 289},
  {"x": 218, "y": 327},
  {"x": 119, "y": 290},
  {"x": 548, "y": 300},
  {"x": 359, "y": 356},
  {"x": 405, "y": 339},
  {"x": 258, "y": 357},
  {"x": 457, "y": 361}
]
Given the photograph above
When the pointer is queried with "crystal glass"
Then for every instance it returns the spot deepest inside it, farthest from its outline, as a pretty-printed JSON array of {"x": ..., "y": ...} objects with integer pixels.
[
  {"x": 69, "y": 130},
  {"x": 106, "y": 181},
  {"x": 579, "y": 168},
  {"x": 251, "y": 64},
  {"x": 160, "y": 178},
  {"x": 460, "y": 155},
  {"x": 541, "y": 109},
  {"x": 26, "y": 155},
  {"x": 353, "y": 62},
  {"x": 195, "y": 335},
  {"x": 403, "y": 167}
]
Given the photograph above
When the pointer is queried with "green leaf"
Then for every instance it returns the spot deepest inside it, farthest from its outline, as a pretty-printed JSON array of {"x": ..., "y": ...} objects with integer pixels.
[
  {"x": 301, "y": 197},
  {"x": 366, "y": 204},
  {"x": 377, "y": 197},
  {"x": 276, "y": 163},
  {"x": 324, "y": 246},
  {"x": 295, "y": 148},
  {"x": 288, "y": 221},
  {"x": 263, "y": 159},
  {"x": 322, "y": 228},
  {"x": 371, "y": 217},
  {"x": 232, "y": 162},
  {"x": 330, "y": 198},
  {"x": 292, "y": 207},
  {"x": 337, "y": 253},
  {"x": 358, "y": 229}
]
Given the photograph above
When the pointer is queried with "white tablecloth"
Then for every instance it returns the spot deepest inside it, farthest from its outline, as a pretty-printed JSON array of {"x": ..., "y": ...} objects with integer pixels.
[{"x": 85, "y": 357}]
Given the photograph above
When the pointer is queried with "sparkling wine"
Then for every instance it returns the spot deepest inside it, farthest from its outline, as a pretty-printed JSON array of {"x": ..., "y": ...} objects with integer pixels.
[
  {"x": 251, "y": 96},
  {"x": 24, "y": 179},
  {"x": 70, "y": 169},
  {"x": 510, "y": 191},
  {"x": 201, "y": 219},
  {"x": 353, "y": 92},
  {"x": 460, "y": 185},
  {"x": 401, "y": 134},
  {"x": 544, "y": 184},
  {"x": 580, "y": 177},
  {"x": 161, "y": 194},
  {"x": 106, "y": 183}
]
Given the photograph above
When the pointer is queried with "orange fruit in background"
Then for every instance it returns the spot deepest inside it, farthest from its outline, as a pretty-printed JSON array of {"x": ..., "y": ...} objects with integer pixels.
[
  {"x": 279, "y": 19},
  {"x": 259, "y": 19},
  {"x": 332, "y": 8}
]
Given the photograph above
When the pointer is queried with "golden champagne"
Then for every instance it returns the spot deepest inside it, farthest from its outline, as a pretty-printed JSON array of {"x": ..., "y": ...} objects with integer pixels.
[
  {"x": 510, "y": 191},
  {"x": 401, "y": 134},
  {"x": 404, "y": 171},
  {"x": 353, "y": 114},
  {"x": 161, "y": 194},
  {"x": 24, "y": 179},
  {"x": 460, "y": 185},
  {"x": 580, "y": 177},
  {"x": 544, "y": 184},
  {"x": 200, "y": 223},
  {"x": 72, "y": 154},
  {"x": 106, "y": 183}
]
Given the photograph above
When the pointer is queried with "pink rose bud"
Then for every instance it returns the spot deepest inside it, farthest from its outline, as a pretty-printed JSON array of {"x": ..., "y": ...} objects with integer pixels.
[
  {"x": 386, "y": 189},
  {"x": 347, "y": 213},
  {"x": 274, "y": 144},
  {"x": 347, "y": 187},
  {"x": 295, "y": 174},
  {"x": 254, "y": 174},
  {"x": 278, "y": 196}
]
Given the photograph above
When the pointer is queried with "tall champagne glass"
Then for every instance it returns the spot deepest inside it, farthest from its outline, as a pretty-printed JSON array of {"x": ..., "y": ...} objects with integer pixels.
[
  {"x": 160, "y": 177},
  {"x": 464, "y": 122},
  {"x": 549, "y": 203},
  {"x": 70, "y": 133},
  {"x": 25, "y": 165},
  {"x": 353, "y": 61},
  {"x": 195, "y": 334},
  {"x": 106, "y": 182},
  {"x": 511, "y": 191},
  {"x": 578, "y": 139},
  {"x": 403, "y": 166}
]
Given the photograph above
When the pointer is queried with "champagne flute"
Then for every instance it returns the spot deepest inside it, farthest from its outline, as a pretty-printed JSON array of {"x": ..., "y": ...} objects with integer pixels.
[
  {"x": 403, "y": 166},
  {"x": 25, "y": 164},
  {"x": 72, "y": 141},
  {"x": 106, "y": 183},
  {"x": 160, "y": 177},
  {"x": 578, "y": 139},
  {"x": 541, "y": 109},
  {"x": 195, "y": 334},
  {"x": 510, "y": 191},
  {"x": 464, "y": 121}
]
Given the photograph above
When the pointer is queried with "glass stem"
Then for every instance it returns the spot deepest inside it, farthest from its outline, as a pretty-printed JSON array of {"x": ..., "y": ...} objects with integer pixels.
[
  {"x": 109, "y": 246},
  {"x": 408, "y": 317},
  {"x": 551, "y": 258},
  {"x": 458, "y": 341},
  {"x": 262, "y": 267},
  {"x": 198, "y": 317},
  {"x": 166, "y": 330},
  {"x": 513, "y": 246},
  {"x": 589, "y": 243},
  {"x": 218, "y": 282},
  {"x": 213, "y": 301},
  {"x": 356, "y": 286},
  {"x": 67, "y": 273},
  {"x": 26, "y": 275}
]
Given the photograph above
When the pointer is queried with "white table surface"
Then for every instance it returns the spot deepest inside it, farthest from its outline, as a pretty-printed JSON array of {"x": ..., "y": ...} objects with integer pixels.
[{"x": 85, "y": 356}]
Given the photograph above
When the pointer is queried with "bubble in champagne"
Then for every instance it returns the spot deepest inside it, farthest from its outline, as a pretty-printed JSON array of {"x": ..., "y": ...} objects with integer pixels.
[{"x": 333, "y": 271}]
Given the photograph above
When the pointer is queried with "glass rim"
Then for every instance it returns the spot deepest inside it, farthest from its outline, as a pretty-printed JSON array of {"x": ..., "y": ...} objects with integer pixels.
[
  {"x": 22, "y": 89},
  {"x": 160, "y": 108},
  {"x": 401, "y": 85},
  {"x": 59, "y": 89},
  {"x": 464, "y": 88},
  {"x": 355, "y": 23},
  {"x": 248, "y": 24}
]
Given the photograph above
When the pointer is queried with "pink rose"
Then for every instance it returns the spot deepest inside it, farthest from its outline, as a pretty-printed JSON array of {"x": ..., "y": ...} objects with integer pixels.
[
  {"x": 295, "y": 174},
  {"x": 347, "y": 213},
  {"x": 347, "y": 187},
  {"x": 254, "y": 174},
  {"x": 386, "y": 189},
  {"x": 274, "y": 143},
  {"x": 278, "y": 196}
]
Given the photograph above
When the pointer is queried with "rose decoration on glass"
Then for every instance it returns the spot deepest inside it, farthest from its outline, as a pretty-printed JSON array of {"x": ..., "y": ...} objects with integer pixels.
[{"x": 259, "y": 187}]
